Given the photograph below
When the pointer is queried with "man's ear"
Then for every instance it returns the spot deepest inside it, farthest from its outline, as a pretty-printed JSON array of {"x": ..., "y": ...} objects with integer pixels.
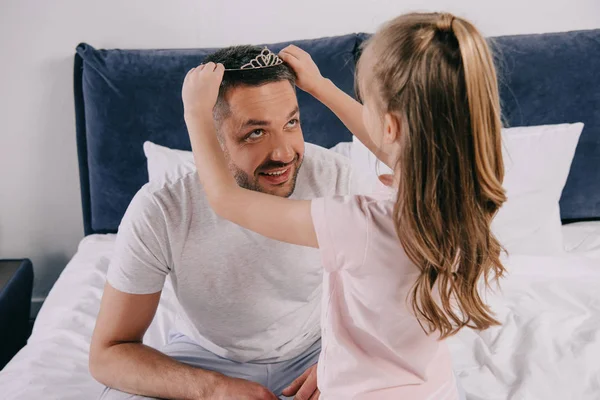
[{"x": 391, "y": 128}]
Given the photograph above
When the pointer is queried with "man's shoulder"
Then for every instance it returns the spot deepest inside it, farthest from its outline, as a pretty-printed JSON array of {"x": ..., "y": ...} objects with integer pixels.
[
  {"x": 324, "y": 172},
  {"x": 320, "y": 157},
  {"x": 167, "y": 198},
  {"x": 172, "y": 188}
]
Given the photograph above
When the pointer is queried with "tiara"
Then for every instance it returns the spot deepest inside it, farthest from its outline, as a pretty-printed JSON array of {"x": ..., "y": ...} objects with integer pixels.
[{"x": 265, "y": 59}]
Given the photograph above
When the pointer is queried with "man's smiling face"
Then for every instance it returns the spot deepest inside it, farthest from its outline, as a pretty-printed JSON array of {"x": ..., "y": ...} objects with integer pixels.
[{"x": 262, "y": 137}]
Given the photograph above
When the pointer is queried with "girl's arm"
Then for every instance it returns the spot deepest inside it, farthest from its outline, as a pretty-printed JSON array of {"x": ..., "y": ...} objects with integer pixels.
[
  {"x": 348, "y": 110},
  {"x": 271, "y": 216}
]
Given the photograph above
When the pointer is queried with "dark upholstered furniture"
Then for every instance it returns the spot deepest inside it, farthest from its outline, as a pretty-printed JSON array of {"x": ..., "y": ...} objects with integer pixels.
[{"x": 16, "y": 281}]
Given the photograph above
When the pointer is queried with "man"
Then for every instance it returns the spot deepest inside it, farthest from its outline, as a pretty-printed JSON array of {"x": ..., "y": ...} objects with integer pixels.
[{"x": 248, "y": 324}]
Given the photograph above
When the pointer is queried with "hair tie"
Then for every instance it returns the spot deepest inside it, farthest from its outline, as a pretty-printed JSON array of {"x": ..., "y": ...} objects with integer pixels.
[{"x": 445, "y": 22}]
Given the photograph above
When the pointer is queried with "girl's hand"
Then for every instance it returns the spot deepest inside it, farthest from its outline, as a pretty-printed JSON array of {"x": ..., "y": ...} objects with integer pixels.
[
  {"x": 308, "y": 75},
  {"x": 201, "y": 89}
]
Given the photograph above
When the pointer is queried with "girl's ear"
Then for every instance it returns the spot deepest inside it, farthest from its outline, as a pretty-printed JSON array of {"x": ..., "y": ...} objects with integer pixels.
[
  {"x": 391, "y": 128},
  {"x": 387, "y": 179}
]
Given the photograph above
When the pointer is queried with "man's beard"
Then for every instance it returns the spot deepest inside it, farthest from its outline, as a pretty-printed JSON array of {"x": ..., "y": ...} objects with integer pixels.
[{"x": 251, "y": 183}]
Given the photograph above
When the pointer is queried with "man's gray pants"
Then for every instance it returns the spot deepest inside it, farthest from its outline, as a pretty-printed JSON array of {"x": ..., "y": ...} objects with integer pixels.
[{"x": 275, "y": 376}]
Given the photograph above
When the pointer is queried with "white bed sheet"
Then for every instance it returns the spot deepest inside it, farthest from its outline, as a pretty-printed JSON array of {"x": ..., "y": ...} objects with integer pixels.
[
  {"x": 54, "y": 363},
  {"x": 548, "y": 346},
  {"x": 582, "y": 238}
]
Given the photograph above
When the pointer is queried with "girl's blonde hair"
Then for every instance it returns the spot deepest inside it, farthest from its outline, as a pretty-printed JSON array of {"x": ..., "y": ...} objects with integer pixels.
[{"x": 435, "y": 74}]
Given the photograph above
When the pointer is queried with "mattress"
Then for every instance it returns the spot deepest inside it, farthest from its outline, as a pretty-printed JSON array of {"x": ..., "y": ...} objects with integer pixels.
[{"x": 547, "y": 347}]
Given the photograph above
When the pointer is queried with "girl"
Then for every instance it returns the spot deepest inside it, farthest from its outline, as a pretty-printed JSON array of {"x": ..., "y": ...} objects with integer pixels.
[{"x": 401, "y": 273}]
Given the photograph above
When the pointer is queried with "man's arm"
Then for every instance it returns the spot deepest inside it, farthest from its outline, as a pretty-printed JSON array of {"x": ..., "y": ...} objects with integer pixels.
[{"x": 118, "y": 358}]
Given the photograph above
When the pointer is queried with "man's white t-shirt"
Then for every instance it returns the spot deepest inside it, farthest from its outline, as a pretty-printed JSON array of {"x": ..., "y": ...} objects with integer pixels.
[{"x": 241, "y": 296}]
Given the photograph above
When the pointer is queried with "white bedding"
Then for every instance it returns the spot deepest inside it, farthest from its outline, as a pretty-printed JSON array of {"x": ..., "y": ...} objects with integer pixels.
[
  {"x": 582, "y": 238},
  {"x": 54, "y": 364},
  {"x": 547, "y": 348}
]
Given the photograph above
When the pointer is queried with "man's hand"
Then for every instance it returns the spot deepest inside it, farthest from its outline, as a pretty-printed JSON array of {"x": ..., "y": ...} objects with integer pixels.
[
  {"x": 305, "y": 386},
  {"x": 201, "y": 89},
  {"x": 239, "y": 389},
  {"x": 308, "y": 75}
]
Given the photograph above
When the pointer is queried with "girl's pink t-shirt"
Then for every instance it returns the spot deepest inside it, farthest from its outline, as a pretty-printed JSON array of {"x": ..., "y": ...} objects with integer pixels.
[{"x": 372, "y": 344}]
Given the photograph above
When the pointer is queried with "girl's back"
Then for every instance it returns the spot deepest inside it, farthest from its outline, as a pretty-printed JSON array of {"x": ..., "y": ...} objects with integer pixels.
[{"x": 373, "y": 346}]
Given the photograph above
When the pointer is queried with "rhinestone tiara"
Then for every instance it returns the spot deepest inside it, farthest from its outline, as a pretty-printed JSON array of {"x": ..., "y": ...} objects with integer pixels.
[{"x": 265, "y": 59}]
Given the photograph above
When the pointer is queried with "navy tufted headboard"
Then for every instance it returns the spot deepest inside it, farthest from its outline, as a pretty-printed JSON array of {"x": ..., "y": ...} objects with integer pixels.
[
  {"x": 125, "y": 97},
  {"x": 555, "y": 78}
]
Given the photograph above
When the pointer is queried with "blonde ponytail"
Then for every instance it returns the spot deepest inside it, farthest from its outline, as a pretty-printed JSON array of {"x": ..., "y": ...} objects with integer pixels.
[
  {"x": 435, "y": 74},
  {"x": 482, "y": 85}
]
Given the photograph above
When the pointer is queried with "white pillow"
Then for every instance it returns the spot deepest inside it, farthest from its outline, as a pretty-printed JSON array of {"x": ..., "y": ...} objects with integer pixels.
[
  {"x": 537, "y": 160},
  {"x": 166, "y": 164},
  {"x": 366, "y": 162},
  {"x": 582, "y": 238}
]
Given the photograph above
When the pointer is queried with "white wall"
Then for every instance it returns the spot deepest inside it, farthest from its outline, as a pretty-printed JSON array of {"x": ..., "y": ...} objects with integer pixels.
[{"x": 40, "y": 212}]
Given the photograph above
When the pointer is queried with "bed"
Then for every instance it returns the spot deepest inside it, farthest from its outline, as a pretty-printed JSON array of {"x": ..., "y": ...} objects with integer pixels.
[{"x": 548, "y": 345}]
